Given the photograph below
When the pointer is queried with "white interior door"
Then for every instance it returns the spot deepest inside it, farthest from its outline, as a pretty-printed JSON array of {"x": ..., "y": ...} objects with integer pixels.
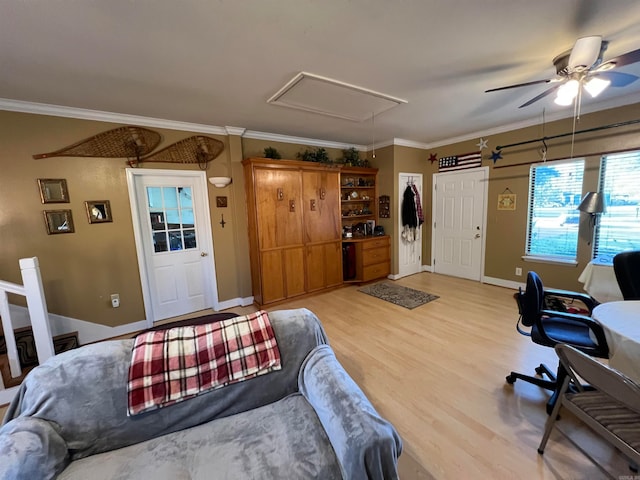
[
  {"x": 459, "y": 214},
  {"x": 409, "y": 247},
  {"x": 173, "y": 239}
]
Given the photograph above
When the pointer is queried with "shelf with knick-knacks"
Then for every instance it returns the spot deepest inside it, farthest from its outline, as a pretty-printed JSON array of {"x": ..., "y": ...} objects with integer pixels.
[{"x": 358, "y": 200}]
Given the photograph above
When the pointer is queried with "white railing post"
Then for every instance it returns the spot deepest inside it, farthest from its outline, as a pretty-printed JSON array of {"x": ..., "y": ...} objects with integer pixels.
[
  {"x": 9, "y": 337},
  {"x": 37, "y": 306}
]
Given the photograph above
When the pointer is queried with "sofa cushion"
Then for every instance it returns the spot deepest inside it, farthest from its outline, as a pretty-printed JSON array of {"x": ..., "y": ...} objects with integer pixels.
[
  {"x": 31, "y": 448},
  {"x": 283, "y": 440},
  {"x": 84, "y": 391}
]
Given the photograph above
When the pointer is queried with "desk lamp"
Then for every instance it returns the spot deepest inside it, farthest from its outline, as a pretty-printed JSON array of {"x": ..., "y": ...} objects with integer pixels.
[{"x": 593, "y": 204}]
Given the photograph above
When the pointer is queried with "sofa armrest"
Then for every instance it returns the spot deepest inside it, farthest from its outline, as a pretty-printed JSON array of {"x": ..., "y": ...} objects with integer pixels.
[
  {"x": 366, "y": 445},
  {"x": 31, "y": 448}
]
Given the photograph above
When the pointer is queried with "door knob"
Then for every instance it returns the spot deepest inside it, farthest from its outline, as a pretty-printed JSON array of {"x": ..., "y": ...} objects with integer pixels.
[
  {"x": 203, "y": 254},
  {"x": 477, "y": 235}
]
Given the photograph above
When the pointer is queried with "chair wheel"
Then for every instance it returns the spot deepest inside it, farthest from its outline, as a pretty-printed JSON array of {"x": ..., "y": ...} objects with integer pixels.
[{"x": 511, "y": 379}]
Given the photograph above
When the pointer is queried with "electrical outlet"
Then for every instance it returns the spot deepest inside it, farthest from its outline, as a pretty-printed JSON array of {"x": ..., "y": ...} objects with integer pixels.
[
  {"x": 518, "y": 271},
  {"x": 115, "y": 300}
]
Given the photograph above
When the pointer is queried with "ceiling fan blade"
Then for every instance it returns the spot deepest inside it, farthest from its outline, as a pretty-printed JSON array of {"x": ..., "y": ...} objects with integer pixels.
[
  {"x": 622, "y": 60},
  {"x": 584, "y": 53},
  {"x": 526, "y": 84},
  {"x": 617, "y": 79},
  {"x": 548, "y": 91}
]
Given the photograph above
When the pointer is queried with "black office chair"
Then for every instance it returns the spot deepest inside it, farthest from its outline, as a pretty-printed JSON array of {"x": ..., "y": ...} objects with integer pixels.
[
  {"x": 551, "y": 327},
  {"x": 626, "y": 266}
]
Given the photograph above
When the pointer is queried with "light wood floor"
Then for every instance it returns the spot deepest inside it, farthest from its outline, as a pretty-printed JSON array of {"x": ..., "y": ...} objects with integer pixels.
[{"x": 437, "y": 372}]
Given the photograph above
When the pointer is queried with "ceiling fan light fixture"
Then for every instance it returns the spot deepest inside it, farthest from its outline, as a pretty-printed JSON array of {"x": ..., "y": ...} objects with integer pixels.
[
  {"x": 584, "y": 53},
  {"x": 567, "y": 92},
  {"x": 595, "y": 86}
]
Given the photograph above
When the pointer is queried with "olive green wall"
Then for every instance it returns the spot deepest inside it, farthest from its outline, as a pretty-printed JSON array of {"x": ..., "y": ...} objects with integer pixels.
[
  {"x": 80, "y": 270},
  {"x": 506, "y": 230}
]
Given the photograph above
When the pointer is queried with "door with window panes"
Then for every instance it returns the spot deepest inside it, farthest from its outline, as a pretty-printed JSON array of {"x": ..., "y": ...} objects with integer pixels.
[{"x": 174, "y": 250}]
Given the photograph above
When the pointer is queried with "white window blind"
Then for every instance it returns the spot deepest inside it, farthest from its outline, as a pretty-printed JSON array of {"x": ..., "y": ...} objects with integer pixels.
[
  {"x": 555, "y": 192},
  {"x": 618, "y": 228}
]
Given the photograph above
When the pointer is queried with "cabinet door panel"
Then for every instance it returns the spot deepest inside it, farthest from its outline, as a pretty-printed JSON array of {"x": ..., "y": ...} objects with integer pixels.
[
  {"x": 294, "y": 268},
  {"x": 321, "y": 198},
  {"x": 333, "y": 264},
  {"x": 315, "y": 267},
  {"x": 273, "y": 286},
  {"x": 278, "y": 203}
]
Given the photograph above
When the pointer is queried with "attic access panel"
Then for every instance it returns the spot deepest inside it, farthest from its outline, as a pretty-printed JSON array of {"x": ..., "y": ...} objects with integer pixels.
[{"x": 327, "y": 96}]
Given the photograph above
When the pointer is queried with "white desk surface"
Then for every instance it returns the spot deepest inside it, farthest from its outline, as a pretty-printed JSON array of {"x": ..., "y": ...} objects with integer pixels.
[
  {"x": 621, "y": 324},
  {"x": 600, "y": 282}
]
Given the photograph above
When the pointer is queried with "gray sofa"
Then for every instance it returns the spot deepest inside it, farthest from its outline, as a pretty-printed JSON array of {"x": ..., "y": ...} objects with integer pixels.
[{"x": 308, "y": 420}]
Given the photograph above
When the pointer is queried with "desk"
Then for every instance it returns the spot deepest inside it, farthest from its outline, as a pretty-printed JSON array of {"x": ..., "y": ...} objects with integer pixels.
[
  {"x": 621, "y": 324},
  {"x": 600, "y": 282}
]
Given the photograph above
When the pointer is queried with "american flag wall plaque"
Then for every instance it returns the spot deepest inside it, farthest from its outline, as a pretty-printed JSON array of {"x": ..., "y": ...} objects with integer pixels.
[{"x": 460, "y": 162}]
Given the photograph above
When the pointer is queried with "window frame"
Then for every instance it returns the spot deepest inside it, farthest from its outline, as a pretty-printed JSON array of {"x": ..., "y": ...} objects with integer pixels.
[
  {"x": 531, "y": 256},
  {"x": 606, "y": 257}
]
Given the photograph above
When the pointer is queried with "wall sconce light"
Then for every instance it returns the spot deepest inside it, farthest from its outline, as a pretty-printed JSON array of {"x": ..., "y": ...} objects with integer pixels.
[{"x": 220, "y": 182}]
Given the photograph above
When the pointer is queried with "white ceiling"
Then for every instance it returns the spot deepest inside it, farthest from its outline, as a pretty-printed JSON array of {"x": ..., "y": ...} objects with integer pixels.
[{"x": 217, "y": 62}]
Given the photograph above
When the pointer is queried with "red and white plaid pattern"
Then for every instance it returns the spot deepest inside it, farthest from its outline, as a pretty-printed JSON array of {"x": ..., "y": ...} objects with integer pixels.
[{"x": 169, "y": 366}]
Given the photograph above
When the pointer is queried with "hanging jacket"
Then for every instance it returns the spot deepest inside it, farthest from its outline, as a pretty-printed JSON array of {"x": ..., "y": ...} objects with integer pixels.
[
  {"x": 409, "y": 217},
  {"x": 418, "y": 205}
]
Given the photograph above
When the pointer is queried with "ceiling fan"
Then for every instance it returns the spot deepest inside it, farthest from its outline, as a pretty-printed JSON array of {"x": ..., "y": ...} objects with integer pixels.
[{"x": 582, "y": 66}]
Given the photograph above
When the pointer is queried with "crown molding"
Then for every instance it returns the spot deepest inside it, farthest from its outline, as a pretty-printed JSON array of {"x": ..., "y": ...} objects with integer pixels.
[
  {"x": 275, "y": 137},
  {"x": 409, "y": 143},
  {"x": 111, "y": 117},
  {"x": 559, "y": 115},
  {"x": 239, "y": 131}
]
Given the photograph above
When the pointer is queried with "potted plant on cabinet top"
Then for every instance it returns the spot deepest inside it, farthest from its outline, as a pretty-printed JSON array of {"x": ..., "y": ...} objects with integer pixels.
[{"x": 270, "y": 152}]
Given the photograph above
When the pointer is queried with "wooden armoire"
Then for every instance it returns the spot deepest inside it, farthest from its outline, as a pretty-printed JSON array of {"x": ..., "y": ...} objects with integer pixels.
[{"x": 295, "y": 231}]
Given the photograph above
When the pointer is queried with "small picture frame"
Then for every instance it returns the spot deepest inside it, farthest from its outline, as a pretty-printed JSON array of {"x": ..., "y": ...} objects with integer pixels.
[
  {"x": 98, "y": 211},
  {"x": 507, "y": 201},
  {"x": 58, "y": 221},
  {"x": 221, "y": 202},
  {"x": 53, "y": 190}
]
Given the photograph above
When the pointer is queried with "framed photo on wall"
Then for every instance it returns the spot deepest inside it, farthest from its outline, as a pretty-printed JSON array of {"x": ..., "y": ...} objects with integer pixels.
[
  {"x": 58, "y": 221},
  {"x": 98, "y": 211},
  {"x": 53, "y": 190}
]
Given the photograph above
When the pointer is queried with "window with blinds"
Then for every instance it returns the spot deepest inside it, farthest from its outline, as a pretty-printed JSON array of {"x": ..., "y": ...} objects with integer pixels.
[
  {"x": 555, "y": 191},
  {"x": 618, "y": 228}
]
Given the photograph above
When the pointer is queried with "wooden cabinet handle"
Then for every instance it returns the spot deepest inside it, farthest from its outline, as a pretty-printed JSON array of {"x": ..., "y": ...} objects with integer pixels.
[
  {"x": 292, "y": 206},
  {"x": 280, "y": 194},
  {"x": 312, "y": 204},
  {"x": 323, "y": 193}
]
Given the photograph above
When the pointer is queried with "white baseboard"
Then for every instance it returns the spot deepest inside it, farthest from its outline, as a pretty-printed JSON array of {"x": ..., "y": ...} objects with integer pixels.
[
  {"x": 503, "y": 283},
  {"x": 92, "y": 332},
  {"x": 423, "y": 268},
  {"x": 235, "y": 302},
  {"x": 87, "y": 332}
]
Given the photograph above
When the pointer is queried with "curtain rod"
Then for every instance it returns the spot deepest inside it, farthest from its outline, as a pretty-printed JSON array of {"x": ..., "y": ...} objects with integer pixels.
[
  {"x": 594, "y": 129},
  {"x": 590, "y": 154}
]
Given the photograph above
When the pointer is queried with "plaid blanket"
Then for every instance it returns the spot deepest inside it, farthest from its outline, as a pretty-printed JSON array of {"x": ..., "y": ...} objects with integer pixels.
[{"x": 169, "y": 366}]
